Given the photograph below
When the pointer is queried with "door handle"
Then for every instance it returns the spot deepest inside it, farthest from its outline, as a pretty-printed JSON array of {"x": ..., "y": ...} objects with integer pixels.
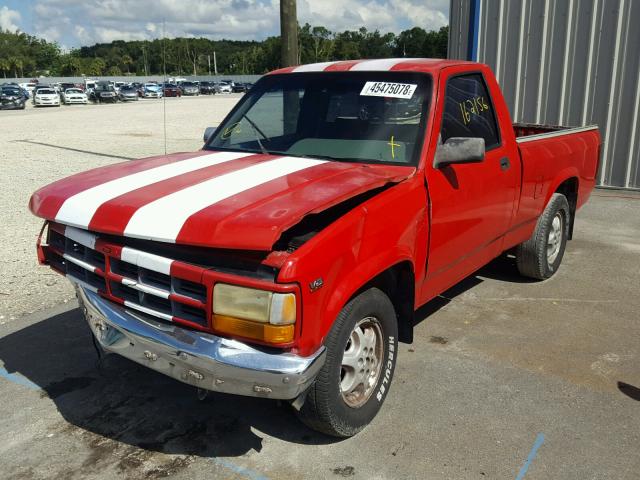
[{"x": 504, "y": 163}]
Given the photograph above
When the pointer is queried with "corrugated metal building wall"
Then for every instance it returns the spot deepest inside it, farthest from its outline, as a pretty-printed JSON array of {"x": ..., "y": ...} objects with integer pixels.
[{"x": 563, "y": 62}]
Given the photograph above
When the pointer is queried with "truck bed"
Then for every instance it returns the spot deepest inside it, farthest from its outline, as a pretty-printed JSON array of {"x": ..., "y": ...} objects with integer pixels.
[
  {"x": 548, "y": 150},
  {"x": 527, "y": 132}
]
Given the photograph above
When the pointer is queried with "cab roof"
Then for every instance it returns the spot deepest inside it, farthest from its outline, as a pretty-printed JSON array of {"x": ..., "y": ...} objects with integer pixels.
[{"x": 427, "y": 65}]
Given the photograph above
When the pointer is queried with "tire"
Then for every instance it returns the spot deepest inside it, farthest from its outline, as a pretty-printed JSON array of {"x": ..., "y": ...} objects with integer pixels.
[
  {"x": 333, "y": 405},
  {"x": 541, "y": 255}
]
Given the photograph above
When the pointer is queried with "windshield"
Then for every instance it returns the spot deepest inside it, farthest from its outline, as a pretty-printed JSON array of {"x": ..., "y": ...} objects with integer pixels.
[
  {"x": 45, "y": 91},
  {"x": 375, "y": 117},
  {"x": 73, "y": 90}
]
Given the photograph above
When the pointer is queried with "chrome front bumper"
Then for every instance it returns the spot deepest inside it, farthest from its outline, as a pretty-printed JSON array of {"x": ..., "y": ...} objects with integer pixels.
[{"x": 200, "y": 359}]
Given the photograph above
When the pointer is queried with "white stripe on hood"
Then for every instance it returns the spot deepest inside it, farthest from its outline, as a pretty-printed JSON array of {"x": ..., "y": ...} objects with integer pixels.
[
  {"x": 163, "y": 219},
  {"x": 78, "y": 210}
]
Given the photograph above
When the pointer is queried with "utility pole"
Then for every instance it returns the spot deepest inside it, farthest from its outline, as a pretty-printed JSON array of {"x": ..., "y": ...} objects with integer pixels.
[
  {"x": 209, "y": 62},
  {"x": 144, "y": 59},
  {"x": 289, "y": 58},
  {"x": 215, "y": 64},
  {"x": 288, "y": 33}
]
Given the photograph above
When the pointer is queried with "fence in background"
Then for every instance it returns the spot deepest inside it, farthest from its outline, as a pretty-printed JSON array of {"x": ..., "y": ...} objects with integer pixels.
[{"x": 132, "y": 78}]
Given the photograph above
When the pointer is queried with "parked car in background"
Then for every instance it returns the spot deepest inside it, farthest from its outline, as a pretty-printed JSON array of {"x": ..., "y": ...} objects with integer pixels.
[
  {"x": 152, "y": 90},
  {"x": 239, "y": 87},
  {"x": 74, "y": 95},
  {"x": 28, "y": 86},
  {"x": 23, "y": 92},
  {"x": 190, "y": 88},
  {"x": 128, "y": 93},
  {"x": 104, "y": 92},
  {"x": 12, "y": 98},
  {"x": 66, "y": 85},
  {"x": 139, "y": 87},
  {"x": 224, "y": 88},
  {"x": 89, "y": 86},
  {"x": 35, "y": 91},
  {"x": 171, "y": 90},
  {"x": 207, "y": 88},
  {"x": 46, "y": 96},
  {"x": 119, "y": 85}
]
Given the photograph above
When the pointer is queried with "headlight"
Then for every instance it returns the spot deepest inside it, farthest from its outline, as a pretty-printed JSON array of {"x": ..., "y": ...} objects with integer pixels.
[{"x": 253, "y": 313}]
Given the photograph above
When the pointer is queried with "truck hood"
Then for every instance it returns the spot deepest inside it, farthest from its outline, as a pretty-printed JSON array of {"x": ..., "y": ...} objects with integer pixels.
[{"x": 214, "y": 199}]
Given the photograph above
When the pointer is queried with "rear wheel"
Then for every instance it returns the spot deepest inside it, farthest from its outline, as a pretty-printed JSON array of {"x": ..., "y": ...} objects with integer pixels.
[
  {"x": 541, "y": 255},
  {"x": 355, "y": 379}
]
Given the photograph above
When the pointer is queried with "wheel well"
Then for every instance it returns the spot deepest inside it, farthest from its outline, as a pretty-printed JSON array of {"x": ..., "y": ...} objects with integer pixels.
[
  {"x": 569, "y": 188},
  {"x": 398, "y": 283}
]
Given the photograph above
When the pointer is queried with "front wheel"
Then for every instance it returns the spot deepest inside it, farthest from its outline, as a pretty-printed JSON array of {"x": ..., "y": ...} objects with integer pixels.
[
  {"x": 360, "y": 360},
  {"x": 541, "y": 255}
]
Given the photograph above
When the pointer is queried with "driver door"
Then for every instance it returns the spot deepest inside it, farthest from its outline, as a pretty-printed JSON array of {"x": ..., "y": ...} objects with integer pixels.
[{"x": 471, "y": 203}]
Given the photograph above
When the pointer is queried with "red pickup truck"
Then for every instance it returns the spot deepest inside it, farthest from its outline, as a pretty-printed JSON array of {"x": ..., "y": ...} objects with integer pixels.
[{"x": 287, "y": 257}]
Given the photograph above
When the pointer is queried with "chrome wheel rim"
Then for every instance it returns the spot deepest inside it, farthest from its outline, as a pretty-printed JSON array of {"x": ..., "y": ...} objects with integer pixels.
[
  {"x": 554, "y": 241},
  {"x": 361, "y": 362}
]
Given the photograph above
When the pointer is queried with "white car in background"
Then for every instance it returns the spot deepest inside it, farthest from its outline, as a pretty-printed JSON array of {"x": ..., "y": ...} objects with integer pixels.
[
  {"x": 28, "y": 86},
  {"x": 224, "y": 88},
  {"x": 152, "y": 90},
  {"x": 46, "y": 96},
  {"x": 74, "y": 95}
]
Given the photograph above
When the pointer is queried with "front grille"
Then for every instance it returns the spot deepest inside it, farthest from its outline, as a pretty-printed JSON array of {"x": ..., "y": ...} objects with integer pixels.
[{"x": 138, "y": 284}]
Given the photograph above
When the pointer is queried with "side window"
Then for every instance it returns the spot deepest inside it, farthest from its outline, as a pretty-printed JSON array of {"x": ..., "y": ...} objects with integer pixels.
[{"x": 468, "y": 111}]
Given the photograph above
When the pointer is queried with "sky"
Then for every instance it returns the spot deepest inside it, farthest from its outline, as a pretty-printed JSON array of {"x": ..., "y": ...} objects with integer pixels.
[{"x": 74, "y": 23}]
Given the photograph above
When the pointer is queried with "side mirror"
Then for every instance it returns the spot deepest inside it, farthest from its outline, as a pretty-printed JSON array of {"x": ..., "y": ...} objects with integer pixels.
[
  {"x": 208, "y": 132},
  {"x": 459, "y": 150}
]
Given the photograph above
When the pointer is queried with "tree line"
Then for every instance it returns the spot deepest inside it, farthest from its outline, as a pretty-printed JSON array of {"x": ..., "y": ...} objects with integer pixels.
[{"x": 24, "y": 55}]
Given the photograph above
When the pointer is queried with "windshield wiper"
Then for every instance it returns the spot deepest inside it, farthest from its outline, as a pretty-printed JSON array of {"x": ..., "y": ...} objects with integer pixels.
[
  {"x": 256, "y": 131},
  {"x": 328, "y": 157}
]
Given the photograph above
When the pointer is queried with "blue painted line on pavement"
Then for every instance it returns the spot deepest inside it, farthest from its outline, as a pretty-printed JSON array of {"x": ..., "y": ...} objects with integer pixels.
[
  {"x": 245, "y": 472},
  {"x": 18, "y": 379},
  {"x": 532, "y": 454}
]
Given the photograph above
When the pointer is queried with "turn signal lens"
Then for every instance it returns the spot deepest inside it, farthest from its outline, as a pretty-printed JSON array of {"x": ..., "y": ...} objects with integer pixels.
[
  {"x": 254, "y": 330},
  {"x": 283, "y": 309}
]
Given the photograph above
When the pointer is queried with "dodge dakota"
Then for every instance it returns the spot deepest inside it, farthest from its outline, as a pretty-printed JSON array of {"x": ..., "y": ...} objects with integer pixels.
[{"x": 286, "y": 258}]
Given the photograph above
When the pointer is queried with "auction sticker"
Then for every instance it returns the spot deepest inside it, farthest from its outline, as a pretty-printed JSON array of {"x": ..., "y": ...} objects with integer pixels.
[{"x": 388, "y": 89}]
